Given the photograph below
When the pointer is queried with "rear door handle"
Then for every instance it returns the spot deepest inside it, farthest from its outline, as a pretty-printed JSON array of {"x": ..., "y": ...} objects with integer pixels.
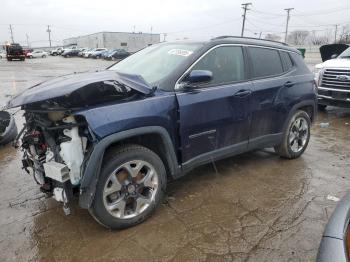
[
  {"x": 288, "y": 84},
  {"x": 243, "y": 93}
]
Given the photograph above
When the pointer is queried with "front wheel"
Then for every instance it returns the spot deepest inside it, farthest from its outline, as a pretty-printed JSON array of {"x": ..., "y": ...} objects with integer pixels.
[
  {"x": 131, "y": 186},
  {"x": 296, "y": 137}
]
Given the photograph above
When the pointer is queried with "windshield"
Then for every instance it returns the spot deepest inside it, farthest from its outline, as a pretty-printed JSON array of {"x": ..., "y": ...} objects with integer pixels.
[
  {"x": 345, "y": 54},
  {"x": 157, "y": 61}
]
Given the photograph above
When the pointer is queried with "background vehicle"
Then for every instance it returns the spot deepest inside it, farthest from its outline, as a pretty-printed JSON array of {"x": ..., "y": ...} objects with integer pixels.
[
  {"x": 89, "y": 52},
  {"x": 114, "y": 137},
  {"x": 333, "y": 76},
  {"x": 14, "y": 51},
  {"x": 2, "y": 54},
  {"x": 335, "y": 244},
  {"x": 70, "y": 53},
  {"x": 37, "y": 53},
  {"x": 118, "y": 54},
  {"x": 57, "y": 51},
  {"x": 97, "y": 53},
  {"x": 26, "y": 51},
  {"x": 81, "y": 51}
]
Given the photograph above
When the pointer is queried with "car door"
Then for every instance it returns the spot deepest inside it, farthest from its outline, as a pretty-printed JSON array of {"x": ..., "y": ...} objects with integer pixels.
[
  {"x": 270, "y": 82},
  {"x": 214, "y": 116}
]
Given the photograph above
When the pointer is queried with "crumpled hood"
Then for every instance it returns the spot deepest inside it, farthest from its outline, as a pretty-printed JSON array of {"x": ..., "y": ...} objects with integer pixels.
[
  {"x": 327, "y": 51},
  {"x": 65, "y": 85}
]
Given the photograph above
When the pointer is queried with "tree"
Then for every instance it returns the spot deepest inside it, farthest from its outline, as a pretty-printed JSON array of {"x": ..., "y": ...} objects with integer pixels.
[
  {"x": 298, "y": 37},
  {"x": 345, "y": 35},
  {"x": 323, "y": 39},
  {"x": 273, "y": 37}
]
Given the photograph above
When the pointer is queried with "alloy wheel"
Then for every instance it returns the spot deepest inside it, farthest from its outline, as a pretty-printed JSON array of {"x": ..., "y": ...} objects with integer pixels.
[
  {"x": 130, "y": 189},
  {"x": 298, "y": 134}
]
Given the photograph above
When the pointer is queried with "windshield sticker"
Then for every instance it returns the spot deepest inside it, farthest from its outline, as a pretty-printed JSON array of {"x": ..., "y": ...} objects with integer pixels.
[{"x": 180, "y": 52}]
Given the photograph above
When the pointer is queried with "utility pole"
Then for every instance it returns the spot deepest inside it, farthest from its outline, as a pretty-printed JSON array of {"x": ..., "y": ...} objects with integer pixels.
[
  {"x": 245, "y": 8},
  {"x": 288, "y": 17},
  {"x": 27, "y": 40},
  {"x": 335, "y": 33},
  {"x": 49, "y": 31},
  {"x": 11, "y": 34}
]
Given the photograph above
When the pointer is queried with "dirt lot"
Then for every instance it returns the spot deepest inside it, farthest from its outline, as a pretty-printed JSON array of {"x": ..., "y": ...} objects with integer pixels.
[{"x": 255, "y": 207}]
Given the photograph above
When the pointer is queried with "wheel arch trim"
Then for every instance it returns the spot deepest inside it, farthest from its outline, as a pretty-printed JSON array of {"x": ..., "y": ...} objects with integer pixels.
[{"x": 94, "y": 163}]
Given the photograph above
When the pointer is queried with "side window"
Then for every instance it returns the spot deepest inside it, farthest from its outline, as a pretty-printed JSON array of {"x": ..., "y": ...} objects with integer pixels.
[
  {"x": 266, "y": 62},
  {"x": 226, "y": 63},
  {"x": 286, "y": 61}
]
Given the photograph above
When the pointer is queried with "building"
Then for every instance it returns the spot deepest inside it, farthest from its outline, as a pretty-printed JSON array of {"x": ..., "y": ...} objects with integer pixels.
[{"x": 131, "y": 42}]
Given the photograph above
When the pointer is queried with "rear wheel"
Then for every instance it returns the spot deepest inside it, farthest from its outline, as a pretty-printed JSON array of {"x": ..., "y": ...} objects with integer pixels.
[
  {"x": 131, "y": 186},
  {"x": 296, "y": 137}
]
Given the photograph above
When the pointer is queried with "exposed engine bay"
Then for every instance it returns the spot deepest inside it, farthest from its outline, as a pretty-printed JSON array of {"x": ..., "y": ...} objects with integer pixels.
[{"x": 54, "y": 145}]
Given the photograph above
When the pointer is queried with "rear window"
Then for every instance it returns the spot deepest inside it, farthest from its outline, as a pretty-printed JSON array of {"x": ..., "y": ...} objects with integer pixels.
[
  {"x": 286, "y": 61},
  {"x": 266, "y": 62}
]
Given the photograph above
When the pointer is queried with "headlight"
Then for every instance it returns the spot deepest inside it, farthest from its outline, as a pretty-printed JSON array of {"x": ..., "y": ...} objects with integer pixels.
[{"x": 317, "y": 75}]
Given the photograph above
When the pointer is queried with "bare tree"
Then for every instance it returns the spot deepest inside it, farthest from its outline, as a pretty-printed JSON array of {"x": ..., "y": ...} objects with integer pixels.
[
  {"x": 298, "y": 37},
  {"x": 315, "y": 39},
  {"x": 345, "y": 35},
  {"x": 273, "y": 37}
]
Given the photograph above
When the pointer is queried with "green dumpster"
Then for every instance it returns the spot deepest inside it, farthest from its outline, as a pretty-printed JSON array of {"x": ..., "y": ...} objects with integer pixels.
[{"x": 302, "y": 51}]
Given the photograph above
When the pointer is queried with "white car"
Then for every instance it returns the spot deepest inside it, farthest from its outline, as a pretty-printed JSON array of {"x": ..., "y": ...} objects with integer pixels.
[
  {"x": 37, "y": 53},
  {"x": 2, "y": 54}
]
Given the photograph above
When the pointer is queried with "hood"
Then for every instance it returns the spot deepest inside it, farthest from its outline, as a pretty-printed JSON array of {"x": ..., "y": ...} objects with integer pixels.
[
  {"x": 335, "y": 63},
  {"x": 65, "y": 85},
  {"x": 334, "y": 49}
]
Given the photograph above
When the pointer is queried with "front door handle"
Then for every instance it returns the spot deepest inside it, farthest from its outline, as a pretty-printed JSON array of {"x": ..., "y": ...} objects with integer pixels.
[
  {"x": 243, "y": 93},
  {"x": 288, "y": 84}
]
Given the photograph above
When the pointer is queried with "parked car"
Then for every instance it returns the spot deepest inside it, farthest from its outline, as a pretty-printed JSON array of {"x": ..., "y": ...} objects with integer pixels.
[
  {"x": 118, "y": 54},
  {"x": 89, "y": 52},
  {"x": 26, "y": 51},
  {"x": 333, "y": 76},
  {"x": 107, "y": 53},
  {"x": 81, "y": 51},
  {"x": 37, "y": 53},
  {"x": 97, "y": 53},
  {"x": 335, "y": 243},
  {"x": 57, "y": 51},
  {"x": 114, "y": 137},
  {"x": 14, "y": 51},
  {"x": 2, "y": 54},
  {"x": 70, "y": 53}
]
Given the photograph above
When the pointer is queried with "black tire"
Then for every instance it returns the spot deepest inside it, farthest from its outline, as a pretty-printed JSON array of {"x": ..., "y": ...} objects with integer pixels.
[
  {"x": 321, "y": 107},
  {"x": 9, "y": 59},
  {"x": 114, "y": 159},
  {"x": 284, "y": 149}
]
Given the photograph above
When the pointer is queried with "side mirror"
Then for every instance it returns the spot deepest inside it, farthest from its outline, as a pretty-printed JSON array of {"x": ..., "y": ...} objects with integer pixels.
[
  {"x": 334, "y": 56},
  {"x": 199, "y": 76}
]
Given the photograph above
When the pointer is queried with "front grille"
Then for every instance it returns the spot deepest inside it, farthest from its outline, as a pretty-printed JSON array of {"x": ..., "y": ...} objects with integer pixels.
[{"x": 336, "y": 79}]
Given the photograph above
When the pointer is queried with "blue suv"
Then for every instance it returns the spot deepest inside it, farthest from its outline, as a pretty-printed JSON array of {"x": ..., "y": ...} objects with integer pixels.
[{"x": 114, "y": 138}]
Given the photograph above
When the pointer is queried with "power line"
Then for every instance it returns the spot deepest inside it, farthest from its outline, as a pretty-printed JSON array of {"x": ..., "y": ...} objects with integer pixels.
[
  {"x": 245, "y": 8},
  {"x": 288, "y": 17}
]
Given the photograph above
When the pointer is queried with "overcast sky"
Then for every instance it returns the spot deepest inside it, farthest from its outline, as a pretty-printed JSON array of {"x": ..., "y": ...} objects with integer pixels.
[{"x": 196, "y": 19}]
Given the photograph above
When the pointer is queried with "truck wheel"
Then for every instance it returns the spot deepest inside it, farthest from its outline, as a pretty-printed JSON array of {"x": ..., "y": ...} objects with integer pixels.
[
  {"x": 131, "y": 186},
  {"x": 296, "y": 137},
  {"x": 9, "y": 59}
]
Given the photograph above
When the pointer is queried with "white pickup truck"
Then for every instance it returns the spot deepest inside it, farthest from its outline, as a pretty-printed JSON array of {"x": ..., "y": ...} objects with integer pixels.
[{"x": 333, "y": 76}]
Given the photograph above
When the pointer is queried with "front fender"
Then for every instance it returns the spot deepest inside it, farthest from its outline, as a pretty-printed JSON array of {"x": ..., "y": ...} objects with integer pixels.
[{"x": 93, "y": 166}]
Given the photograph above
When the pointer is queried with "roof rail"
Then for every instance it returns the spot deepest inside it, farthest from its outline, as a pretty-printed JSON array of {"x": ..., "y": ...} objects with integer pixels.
[{"x": 253, "y": 38}]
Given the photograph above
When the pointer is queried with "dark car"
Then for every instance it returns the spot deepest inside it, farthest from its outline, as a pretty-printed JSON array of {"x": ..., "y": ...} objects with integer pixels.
[
  {"x": 15, "y": 51},
  {"x": 335, "y": 244},
  {"x": 113, "y": 138},
  {"x": 70, "y": 53},
  {"x": 118, "y": 54}
]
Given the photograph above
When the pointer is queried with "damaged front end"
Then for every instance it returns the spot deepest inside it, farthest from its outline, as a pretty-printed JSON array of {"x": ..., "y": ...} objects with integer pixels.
[
  {"x": 54, "y": 145},
  {"x": 56, "y": 141}
]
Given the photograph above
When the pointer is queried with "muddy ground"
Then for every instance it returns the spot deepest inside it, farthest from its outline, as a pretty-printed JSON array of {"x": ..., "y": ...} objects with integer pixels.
[{"x": 254, "y": 207}]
